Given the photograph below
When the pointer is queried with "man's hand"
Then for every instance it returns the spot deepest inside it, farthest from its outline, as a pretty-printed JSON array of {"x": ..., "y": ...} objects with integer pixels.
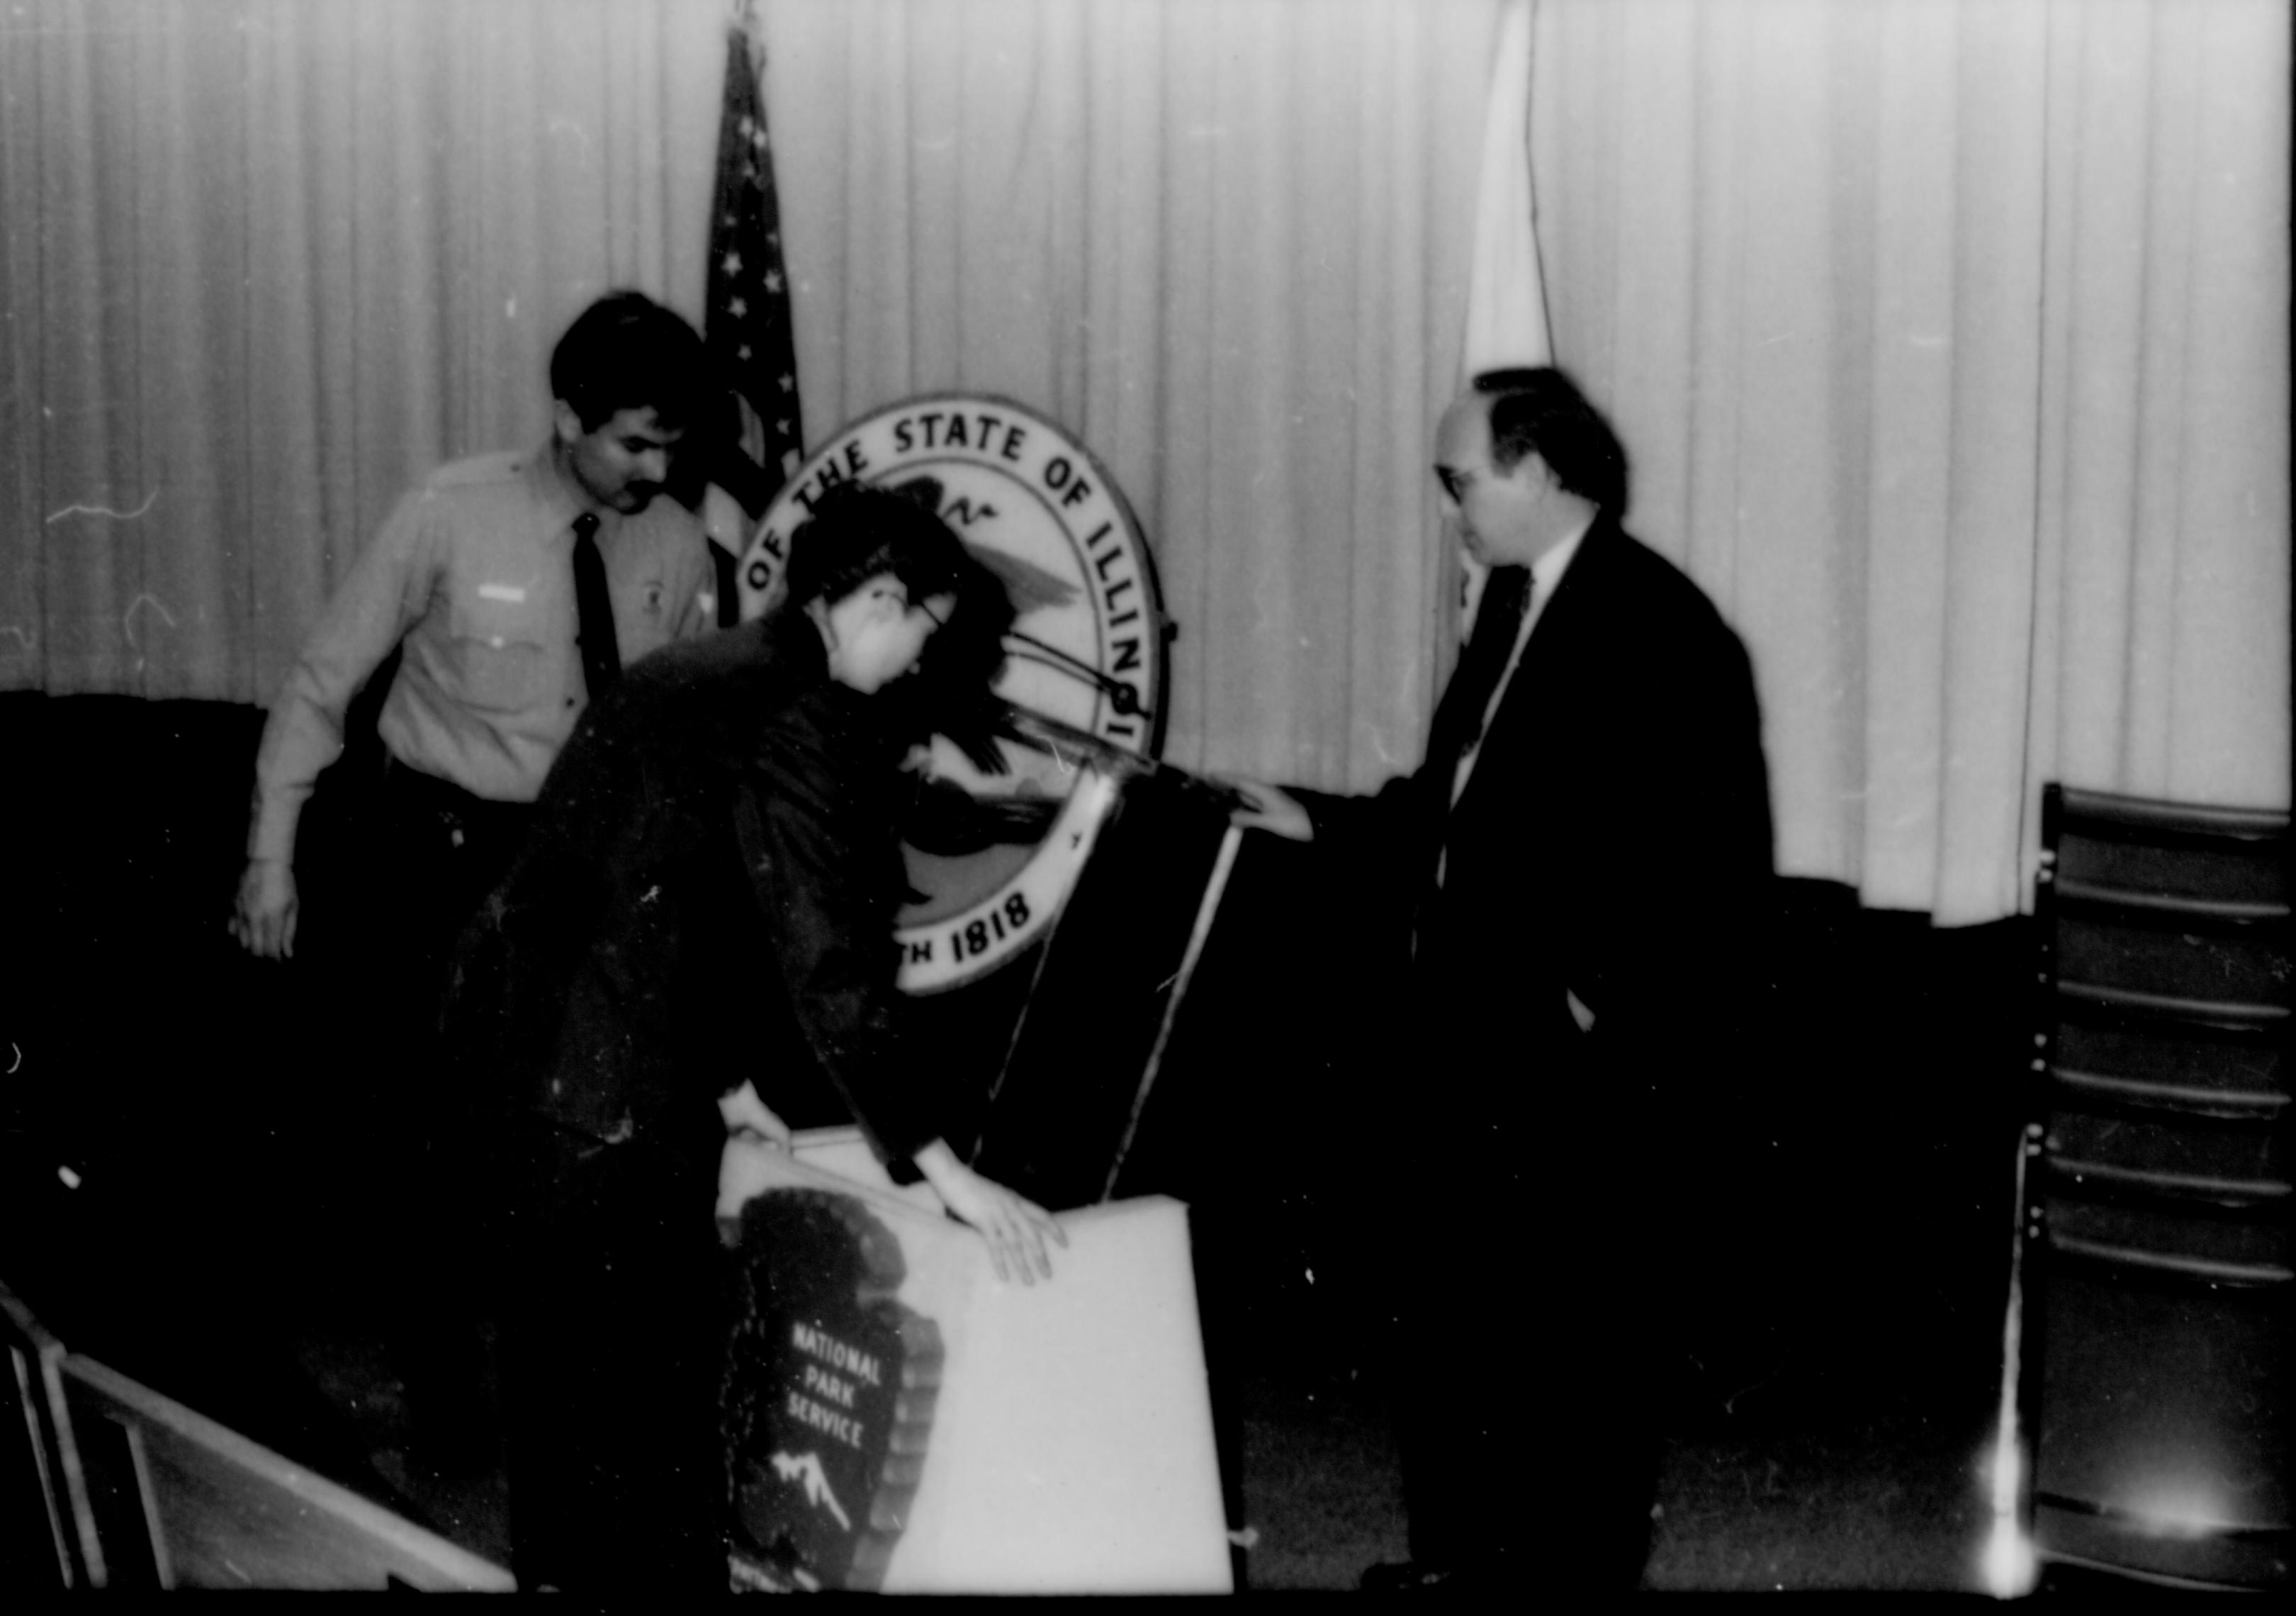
[
  {"x": 749, "y": 1117},
  {"x": 1271, "y": 808},
  {"x": 265, "y": 922},
  {"x": 1014, "y": 1228}
]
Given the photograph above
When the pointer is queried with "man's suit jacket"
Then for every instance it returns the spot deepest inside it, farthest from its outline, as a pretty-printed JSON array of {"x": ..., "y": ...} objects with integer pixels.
[{"x": 1613, "y": 842}]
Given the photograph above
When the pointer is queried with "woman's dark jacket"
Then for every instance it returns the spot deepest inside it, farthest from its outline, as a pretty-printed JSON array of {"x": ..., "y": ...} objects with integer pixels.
[{"x": 706, "y": 896}]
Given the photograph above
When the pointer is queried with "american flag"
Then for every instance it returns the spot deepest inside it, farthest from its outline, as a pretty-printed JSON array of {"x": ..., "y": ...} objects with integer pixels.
[{"x": 747, "y": 326}]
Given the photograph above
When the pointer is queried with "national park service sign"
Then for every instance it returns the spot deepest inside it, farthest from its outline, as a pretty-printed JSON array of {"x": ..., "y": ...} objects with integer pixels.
[
  {"x": 1086, "y": 651},
  {"x": 829, "y": 1393}
]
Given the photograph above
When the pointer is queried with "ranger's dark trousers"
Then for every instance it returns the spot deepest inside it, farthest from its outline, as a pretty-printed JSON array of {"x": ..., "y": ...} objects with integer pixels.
[
  {"x": 426, "y": 854},
  {"x": 613, "y": 1354}
]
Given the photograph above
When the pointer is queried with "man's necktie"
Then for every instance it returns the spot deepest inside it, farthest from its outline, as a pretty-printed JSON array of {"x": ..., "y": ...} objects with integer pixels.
[
  {"x": 729, "y": 586},
  {"x": 1458, "y": 723},
  {"x": 602, "y": 659},
  {"x": 1459, "y": 717}
]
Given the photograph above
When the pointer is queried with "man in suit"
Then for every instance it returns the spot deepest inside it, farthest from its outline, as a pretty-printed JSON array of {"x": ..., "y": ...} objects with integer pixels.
[{"x": 1570, "y": 888}]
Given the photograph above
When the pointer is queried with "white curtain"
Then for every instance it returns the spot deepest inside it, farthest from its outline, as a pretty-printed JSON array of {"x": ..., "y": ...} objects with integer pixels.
[
  {"x": 1226, "y": 242},
  {"x": 1949, "y": 339},
  {"x": 264, "y": 262}
]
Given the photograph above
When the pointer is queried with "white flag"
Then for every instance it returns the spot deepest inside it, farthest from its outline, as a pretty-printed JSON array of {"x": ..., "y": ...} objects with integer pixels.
[
  {"x": 1506, "y": 299},
  {"x": 1506, "y": 303}
]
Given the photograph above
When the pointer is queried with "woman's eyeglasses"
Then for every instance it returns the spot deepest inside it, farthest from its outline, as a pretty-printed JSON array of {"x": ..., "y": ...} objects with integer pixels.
[{"x": 900, "y": 598}]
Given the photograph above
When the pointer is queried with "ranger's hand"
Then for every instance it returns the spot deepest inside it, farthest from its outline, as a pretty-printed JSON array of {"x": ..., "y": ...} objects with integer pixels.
[{"x": 265, "y": 921}]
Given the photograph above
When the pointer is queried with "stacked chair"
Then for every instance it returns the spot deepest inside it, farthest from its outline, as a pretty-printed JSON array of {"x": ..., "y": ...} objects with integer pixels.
[{"x": 2158, "y": 1270}]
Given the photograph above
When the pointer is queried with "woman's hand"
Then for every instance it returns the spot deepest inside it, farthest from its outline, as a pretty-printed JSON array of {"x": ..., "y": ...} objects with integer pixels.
[
  {"x": 1014, "y": 1227},
  {"x": 749, "y": 1117}
]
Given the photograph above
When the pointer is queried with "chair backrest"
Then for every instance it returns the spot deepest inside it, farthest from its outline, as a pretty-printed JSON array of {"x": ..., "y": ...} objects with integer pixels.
[
  {"x": 48, "y": 1522},
  {"x": 2159, "y": 1222}
]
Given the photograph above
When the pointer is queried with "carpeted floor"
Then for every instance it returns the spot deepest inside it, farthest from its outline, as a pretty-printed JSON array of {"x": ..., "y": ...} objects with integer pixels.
[
  {"x": 1833, "y": 1440},
  {"x": 204, "y": 1244},
  {"x": 1855, "y": 1459},
  {"x": 1823, "y": 1476},
  {"x": 1882, "y": 1490},
  {"x": 1837, "y": 1446}
]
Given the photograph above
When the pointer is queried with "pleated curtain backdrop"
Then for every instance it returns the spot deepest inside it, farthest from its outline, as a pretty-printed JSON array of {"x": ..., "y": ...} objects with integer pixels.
[
  {"x": 1949, "y": 338},
  {"x": 1226, "y": 242},
  {"x": 1950, "y": 341},
  {"x": 264, "y": 262}
]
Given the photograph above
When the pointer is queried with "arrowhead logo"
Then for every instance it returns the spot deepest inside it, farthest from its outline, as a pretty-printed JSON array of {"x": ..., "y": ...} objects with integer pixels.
[{"x": 828, "y": 1392}]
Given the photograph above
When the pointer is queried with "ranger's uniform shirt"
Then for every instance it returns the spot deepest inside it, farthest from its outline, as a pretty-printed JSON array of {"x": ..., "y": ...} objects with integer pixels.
[{"x": 473, "y": 573}]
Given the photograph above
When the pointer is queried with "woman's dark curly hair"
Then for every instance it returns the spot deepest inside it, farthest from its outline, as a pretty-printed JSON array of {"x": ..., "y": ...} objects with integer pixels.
[{"x": 858, "y": 531}]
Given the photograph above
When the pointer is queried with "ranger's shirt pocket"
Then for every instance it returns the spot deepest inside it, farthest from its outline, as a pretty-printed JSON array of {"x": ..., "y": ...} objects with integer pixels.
[{"x": 498, "y": 643}]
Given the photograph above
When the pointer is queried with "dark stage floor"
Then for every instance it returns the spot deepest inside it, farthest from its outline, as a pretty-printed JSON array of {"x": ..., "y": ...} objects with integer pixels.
[
  {"x": 1840, "y": 1464},
  {"x": 1842, "y": 1449},
  {"x": 1826, "y": 1432},
  {"x": 1834, "y": 1441},
  {"x": 1833, "y": 1404}
]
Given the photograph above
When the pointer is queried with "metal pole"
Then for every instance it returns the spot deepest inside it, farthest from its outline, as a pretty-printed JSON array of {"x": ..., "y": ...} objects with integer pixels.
[
  {"x": 1104, "y": 787},
  {"x": 2009, "y": 1565},
  {"x": 1205, "y": 910}
]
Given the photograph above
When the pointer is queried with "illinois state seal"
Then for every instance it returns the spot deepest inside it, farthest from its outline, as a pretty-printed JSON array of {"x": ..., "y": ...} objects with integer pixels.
[{"x": 1087, "y": 651}]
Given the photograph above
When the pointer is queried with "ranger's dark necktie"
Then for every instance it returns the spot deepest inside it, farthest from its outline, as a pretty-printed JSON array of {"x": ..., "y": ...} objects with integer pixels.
[
  {"x": 729, "y": 586},
  {"x": 602, "y": 659}
]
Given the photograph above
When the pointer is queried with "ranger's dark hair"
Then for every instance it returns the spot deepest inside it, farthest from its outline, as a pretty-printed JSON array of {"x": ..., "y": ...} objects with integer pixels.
[
  {"x": 628, "y": 352},
  {"x": 1541, "y": 410}
]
